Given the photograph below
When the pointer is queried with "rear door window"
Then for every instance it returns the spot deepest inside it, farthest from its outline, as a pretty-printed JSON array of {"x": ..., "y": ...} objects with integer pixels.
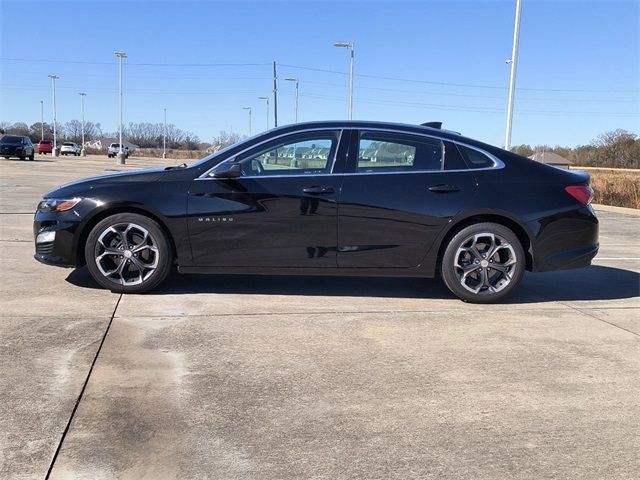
[{"x": 398, "y": 152}]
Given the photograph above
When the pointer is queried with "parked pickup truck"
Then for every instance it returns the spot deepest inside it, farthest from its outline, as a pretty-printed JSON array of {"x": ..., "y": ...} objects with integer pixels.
[{"x": 114, "y": 149}]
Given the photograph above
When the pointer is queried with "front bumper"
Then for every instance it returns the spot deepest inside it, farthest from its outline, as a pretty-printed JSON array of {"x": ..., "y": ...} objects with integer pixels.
[
  {"x": 57, "y": 247},
  {"x": 11, "y": 151}
]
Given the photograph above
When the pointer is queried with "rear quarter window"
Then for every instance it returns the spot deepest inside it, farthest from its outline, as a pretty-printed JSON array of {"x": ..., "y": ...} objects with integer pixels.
[{"x": 475, "y": 159}]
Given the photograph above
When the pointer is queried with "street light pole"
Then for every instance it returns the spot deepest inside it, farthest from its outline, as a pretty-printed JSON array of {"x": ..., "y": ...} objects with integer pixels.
[
  {"x": 41, "y": 120},
  {"x": 351, "y": 47},
  {"x": 82, "y": 95},
  {"x": 512, "y": 77},
  {"x": 164, "y": 136},
  {"x": 248, "y": 108},
  {"x": 267, "y": 100},
  {"x": 293, "y": 79},
  {"x": 121, "y": 157},
  {"x": 55, "y": 132}
]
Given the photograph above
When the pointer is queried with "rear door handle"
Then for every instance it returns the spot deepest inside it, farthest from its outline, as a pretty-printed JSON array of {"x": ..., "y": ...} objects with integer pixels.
[
  {"x": 444, "y": 188},
  {"x": 318, "y": 190}
]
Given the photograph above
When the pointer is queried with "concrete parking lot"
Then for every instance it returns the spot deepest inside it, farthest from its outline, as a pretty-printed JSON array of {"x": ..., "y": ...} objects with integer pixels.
[{"x": 297, "y": 378}]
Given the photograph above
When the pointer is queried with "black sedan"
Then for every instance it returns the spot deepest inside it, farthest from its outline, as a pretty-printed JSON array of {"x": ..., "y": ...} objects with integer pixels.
[
  {"x": 329, "y": 198},
  {"x": 17, "y": 146}
]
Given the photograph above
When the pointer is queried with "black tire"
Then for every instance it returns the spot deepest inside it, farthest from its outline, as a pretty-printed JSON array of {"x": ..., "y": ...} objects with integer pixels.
[
  {"x": 125, "y": 274},
  {"x": 32, "y": 156},
  {"x": 469, "y": 251}
]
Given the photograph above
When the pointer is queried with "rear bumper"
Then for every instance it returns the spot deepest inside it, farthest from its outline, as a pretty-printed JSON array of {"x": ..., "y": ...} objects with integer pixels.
[{"x": 564, "y": 241}]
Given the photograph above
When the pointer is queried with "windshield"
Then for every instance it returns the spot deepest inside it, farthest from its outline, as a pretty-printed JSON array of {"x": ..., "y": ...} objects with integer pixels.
[
  {"x": 68, "y": 144},
  {"x": 11, "y": 139},
  {"x": 222, "y": 151}
]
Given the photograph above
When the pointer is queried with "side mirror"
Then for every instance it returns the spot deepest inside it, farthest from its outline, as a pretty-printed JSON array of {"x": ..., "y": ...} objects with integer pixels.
[{"x": 227, "y": 170}]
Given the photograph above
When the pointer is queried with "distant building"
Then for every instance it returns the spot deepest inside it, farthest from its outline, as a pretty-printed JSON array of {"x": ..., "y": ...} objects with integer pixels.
[{"x": 553, "y": 159}]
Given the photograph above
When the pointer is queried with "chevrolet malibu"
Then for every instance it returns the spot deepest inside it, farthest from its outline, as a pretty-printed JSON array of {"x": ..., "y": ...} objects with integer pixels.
[{"x": 329, "y": 198}]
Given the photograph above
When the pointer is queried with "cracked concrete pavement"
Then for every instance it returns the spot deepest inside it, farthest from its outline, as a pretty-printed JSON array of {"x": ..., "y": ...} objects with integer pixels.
[{"x": 286, "y": 378}]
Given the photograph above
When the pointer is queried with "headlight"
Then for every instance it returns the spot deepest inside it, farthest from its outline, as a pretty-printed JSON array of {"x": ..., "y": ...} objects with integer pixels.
[{"x": 57, "y": 204}]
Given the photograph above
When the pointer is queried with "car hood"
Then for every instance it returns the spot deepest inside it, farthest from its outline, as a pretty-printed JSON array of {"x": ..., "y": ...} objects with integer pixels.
[{"x": 84, "y": 187}]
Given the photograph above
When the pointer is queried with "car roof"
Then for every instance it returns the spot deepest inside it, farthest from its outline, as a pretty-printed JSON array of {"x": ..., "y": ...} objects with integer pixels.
[{"x": 364, "y": 124}]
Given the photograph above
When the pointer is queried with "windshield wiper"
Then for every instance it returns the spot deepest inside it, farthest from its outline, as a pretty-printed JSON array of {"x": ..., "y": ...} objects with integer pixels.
[{"x": 175, "y": 167}]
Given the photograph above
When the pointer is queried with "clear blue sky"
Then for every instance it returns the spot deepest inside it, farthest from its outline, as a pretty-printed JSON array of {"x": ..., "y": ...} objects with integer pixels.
[{"x": 578, "y": 72}]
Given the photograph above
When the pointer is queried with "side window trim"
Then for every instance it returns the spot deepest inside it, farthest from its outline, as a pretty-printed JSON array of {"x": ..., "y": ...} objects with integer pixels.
[
  {"x": 354, "y": 152},
  {"x": 341, "y": 132}
]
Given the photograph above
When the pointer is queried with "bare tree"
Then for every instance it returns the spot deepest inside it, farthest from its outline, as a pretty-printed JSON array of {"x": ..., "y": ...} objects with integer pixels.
[
  {"x": 224, "y": 139},
  {"x": 35, "y": 131},
  {"x": 618, "y": 148}
]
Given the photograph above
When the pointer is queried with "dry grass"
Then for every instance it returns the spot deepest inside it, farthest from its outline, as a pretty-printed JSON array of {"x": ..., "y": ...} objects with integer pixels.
[
  {"x": 617, "y": 187},
  {"x": 174, "y": 154}
]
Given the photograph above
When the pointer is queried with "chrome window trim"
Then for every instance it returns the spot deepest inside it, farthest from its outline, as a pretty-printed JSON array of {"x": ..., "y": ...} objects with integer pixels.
[
  {"x": 205, "y": 175},
  {"x": 497, "y": 163}
]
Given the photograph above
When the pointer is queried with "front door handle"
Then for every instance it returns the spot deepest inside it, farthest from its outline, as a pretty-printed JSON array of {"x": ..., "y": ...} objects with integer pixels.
[
  {"x": 318, "y": 190},
  {"x": 444, "y": 188}
]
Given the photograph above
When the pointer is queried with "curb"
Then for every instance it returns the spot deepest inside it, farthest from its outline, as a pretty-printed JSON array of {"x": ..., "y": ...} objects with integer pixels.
[{"x": 624, "y": 210}]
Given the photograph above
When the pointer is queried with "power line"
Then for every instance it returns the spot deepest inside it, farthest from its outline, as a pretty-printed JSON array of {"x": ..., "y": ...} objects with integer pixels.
[
  {"x": 324, "y": 70},
  {"x": 463, "y": 108},
  {"x": 469, "y": 95},
  {"x": 450, "y": 84},
  {"x": 147, "y": 64}
]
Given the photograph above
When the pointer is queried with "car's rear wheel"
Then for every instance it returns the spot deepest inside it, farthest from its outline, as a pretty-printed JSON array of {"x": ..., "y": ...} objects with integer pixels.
[
  {"x": 128, "y": 253},
  {"x": 483, "y": 263}
]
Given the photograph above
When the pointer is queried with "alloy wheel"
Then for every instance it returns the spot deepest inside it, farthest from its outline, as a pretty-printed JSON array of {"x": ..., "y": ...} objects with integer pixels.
[
  {"x": 485, "y": 263},
  {"x": 126, "y": 254}
]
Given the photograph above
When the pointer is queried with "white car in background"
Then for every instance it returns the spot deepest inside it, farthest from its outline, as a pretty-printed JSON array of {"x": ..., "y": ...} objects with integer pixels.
[{"x": 69, "y": 148}]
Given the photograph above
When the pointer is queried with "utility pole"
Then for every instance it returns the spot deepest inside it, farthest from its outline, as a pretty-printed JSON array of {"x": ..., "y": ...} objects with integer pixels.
[
  {"x": 82, "y": 95},
  {"x": 512, "y": 77},
  {"x": 54, "y": 152},
  {"x": 121, "y": 156},
  {"x": 41, "y": 120},
  {"x": 266, "y": 99},
  {"x": 275, "y": 96},
  {"x": 248, "y": 108},
  {"x": 351, "y": 47},
  {"x": 164, "y": 136},
  {"x": 294, "y": 79}
]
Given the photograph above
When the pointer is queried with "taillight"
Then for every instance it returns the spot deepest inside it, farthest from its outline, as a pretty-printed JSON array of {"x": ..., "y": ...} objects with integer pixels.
[{"x": 582, "y": 193}]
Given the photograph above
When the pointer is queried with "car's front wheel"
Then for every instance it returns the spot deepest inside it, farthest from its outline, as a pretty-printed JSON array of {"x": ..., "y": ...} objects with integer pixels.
[
  {"x": 128, "y": 253},
  {"x": 483, "y": 263}
]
